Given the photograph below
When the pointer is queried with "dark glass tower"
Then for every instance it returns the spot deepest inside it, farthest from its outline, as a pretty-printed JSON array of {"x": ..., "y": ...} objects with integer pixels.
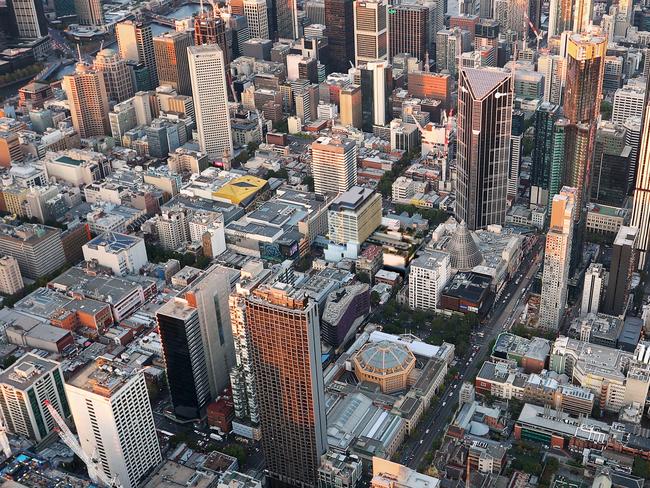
[{"x": 339, "y": 21}]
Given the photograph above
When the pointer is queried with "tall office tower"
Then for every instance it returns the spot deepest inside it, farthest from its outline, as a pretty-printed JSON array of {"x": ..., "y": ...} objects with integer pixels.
[
  {"x": 611, "y": 165},
  {"x": 315, "y": 11},
  {"x": 284, "y": 332},
  {"x": 624, "y": 262},
  {"x": 211, "y": 29},
  {"x": 111, "y": 410},
  {"x": 512, "y": 16},
  {"x": 135, "y": 43},
  {"x": 641, "y": 208},
  {"x": 27, "y": 17},
  {"x": 486, "y": 33},
  {"x": 450, "y": 44},
  {"x": 333, "y": 164},
  {"x": 237, "y": 26},
  {"x": 11, "y": 281},
  {"x": 208, "y": 75},
  {"x": 197, "y": 342},
  {"x": 350, "y": 106},
  {"x": 592, "y": 291},
  {"x": 286, "y": 19},
  {"x": 553, "y": 68},
  {"x": 569, "y": 15},
  {"x": 339, "y": 21},
  {"x": 408, "y": 30},
  {"x": 546, "y": 116},
  {"x": 376, "y": 86},
  {"x": 89, "y": 12},
  {"x": 370, "y": 31},
  {"x": 170, "y": 50},
  {"x": 25, "y": 386},
  {"x": 557, "y": 259},
  {"x": 117, "y": 75},
  {"x": 516, "y": 138},
  {"x": 628, "y": 102},
  {"x": 632, "y": 128},
  {"x": 88, "y": 100},
  {"x": 483, "y": 145},
  {"x": 256, "y": 12},
  {"x": 581, "y": 106},
  {"x": 428, "y": 275}
]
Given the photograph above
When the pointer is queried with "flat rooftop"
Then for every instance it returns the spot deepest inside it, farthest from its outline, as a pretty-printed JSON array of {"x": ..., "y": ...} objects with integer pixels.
[
  {"x": 114, "y": 242},
  {"x": 174, "y": 475},
  {"x": 351, "y": 199},
  {"x": 26, "y": 371},
  {"x": 102, "y": 377}
]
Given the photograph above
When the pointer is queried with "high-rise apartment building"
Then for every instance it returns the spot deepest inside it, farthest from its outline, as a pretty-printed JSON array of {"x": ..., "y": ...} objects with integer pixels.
[
  {"x": 256, "y": 12},
  {"x": 484, "y": 121},
  {"x": 27, "y": 17},
  {"x": 283, "y": 327},
  {"x": 624, "y": 262},
  {"x": 89, "y": 12},
  {"x": 557, "y": 260},
  {"x": 610, "y": 182},
  {"x": 25, "y": 386},
  {"x": 641, "y": 208},
  {"x": 117, "y": 75},
  {"x": 11, "y": 281},
  {"x": 88, "y": 100},
  {"x": 353, "y": 216},
  {"x": 11, "y": 150},
  {"x": 135, "y": 43},
  {"x": 546, "y": 145},
  {"x": 376, "y": 86},
  {"x": 370, "y": 31},
  {"x": 408, "y": 30},
  {"x": 339, "y": 21},
  {"x": 516, "y": 138},
  {"x": 628, "y": 102},
  {"x": 553, "y": 67},
  {"x": 594, "y": 286},
  {"x": 208, "y": 75},
  {"x": 429, "y": 273},
  {"x": 350, "y": 106},
  {"x": 197, "y": 341},
  {"x": 170, "y": 50},
  {"x": 333, "y": 164},
  {"x": 111, "y": 410},
  {"x": 569, "y": 15},
  {"x": 512, "y": 16},
  {"x": 286, "y": 19}
]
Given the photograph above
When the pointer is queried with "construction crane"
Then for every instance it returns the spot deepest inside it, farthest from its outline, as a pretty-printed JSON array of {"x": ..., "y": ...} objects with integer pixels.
[
  {"x": 92, "y": 463},
  {"x": 4, "y": 441},
  {"x": 538, "y": 34}
]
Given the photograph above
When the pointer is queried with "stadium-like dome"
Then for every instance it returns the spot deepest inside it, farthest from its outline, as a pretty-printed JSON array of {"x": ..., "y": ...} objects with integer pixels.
[
  {"x": 463, "y": 251},
  {"x": 386, "y": 364}
]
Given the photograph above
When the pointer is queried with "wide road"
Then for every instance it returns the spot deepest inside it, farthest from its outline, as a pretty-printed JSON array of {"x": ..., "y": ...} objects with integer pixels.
[{"x": 503, "y": 314}]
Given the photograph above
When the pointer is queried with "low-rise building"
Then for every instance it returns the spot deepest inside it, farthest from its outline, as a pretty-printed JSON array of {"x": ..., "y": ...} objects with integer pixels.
[
  {"x": 530, "y": 354},
  {"x": 122, "y": 253}
]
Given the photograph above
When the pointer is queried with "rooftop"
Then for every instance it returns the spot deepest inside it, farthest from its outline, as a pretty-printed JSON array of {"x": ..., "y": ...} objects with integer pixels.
[
  {"x": 113, "y": 242},
  {"x": 351, "y": 199},
  {"x": 102, "y": 377},
  {"x": 384, "y": 357},
  {"x": 26, "y": 371},
  {"x": 174, "y": 475}
]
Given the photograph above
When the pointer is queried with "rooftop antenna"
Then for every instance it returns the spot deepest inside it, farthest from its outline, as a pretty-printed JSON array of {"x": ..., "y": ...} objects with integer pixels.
[
  {"x": 426, "y": 61},
  {"x": 79, "y": 53}
]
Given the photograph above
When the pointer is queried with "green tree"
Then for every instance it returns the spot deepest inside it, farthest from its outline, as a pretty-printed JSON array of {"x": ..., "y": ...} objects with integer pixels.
[
  {"x": 374, "y": 298},
  {"x": 363, "y": 277},
  {"x": 641, "y": 468},
  {"x": 309, "y": 181},
  {"x": 606, "y": 110},
  {"x": 235, "y": 450}
]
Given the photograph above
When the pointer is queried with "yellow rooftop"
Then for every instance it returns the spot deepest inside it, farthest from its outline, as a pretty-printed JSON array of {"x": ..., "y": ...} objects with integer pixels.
[{"x": 240, "y": 190}]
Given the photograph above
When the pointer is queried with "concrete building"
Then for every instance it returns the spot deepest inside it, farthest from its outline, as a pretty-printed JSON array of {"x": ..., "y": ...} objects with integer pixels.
[
  {"x": 350, "y": 106},
  {"x": 170, "y": 51},
  {"x": 334, "y": 164},
  {"x": 593, "y": 289},
  {"x": 371, "y": 31},
  {"x": 339, "y": 470},
  {"x": 553, "y": 67},
  {"x": 111, "y": 410},
  {"x": 89, "y": 12},
  {"x": 172, "y": 228},
  {"x": 184, "y": 160},
  {"x": 482, "y": 201},
  {"x": 208, "y": 74},
  {"x": 88, "y": 100},
  {"x": 24, "y": 387},
  {"x": 10, "y": 150},
  {"x": 628, "y": 102},
  {"x": 135, "y": 43},
  {"x": 354, "y": 215},
  {"x": 208, "y": 229},
  {"x": 386, "y": 473},
  {"x": 257, "y": 16},
  {"x": 11, "y": 281},
  {"x": 641, "y": 209},
  {"x": 122, "y": 253},
  {"x": 37, "y": 248},
  {"x": 624, "y": 261},
  {"x": 343, "y": 313},
  {"x": 117, "y": 75},
  {"x": 428, "y": 276},
  {"x": 557, "y": 258}
]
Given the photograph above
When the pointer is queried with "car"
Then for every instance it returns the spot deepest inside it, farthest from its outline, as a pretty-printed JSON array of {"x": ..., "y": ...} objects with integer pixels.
[
  {"x": 455, "y": 386},
  {"x": 427, "y": 431},
  {"x": 421, "y": 441},
  {"x": 444, "y": 403},
  {"x": 451, "y": 394}
]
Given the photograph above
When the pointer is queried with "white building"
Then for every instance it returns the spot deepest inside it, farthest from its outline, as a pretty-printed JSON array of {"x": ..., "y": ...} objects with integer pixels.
[
  {"x": 11, "y": 281},
  {"x": 428, "y": 276},
  {"x": 354, "y": 215},
  {"x": 24, "y": 388},
  {"x": 628, "y": 102},
  {"x": 111, "y": 410},
  {"x": 371, "y": 31},
  {"x": 334, "y": 164},
  {"x": 257, "y": 16},
  {"x": 553, "y": 67},
  {"x": 557, "y": 258},
  {"x": 208, "y": 228},
  {"x": 208, "y": 73},
  {"x": 592, "y": 292},
  {"x": 172, "y": 228},
  {"x": 122, "y": 253}
]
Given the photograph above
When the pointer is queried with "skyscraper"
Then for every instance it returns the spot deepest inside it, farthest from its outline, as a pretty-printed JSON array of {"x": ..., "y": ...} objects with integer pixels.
[
  {"x": 376, "y": 86},
  {"x": 641, "y": 208},
  {"x": 611, "y": 165},
  {"x": 197, "y": 341},
  {"x": 333, "y": 164},
  {"x": 546, "y": 116},
  {"x": 117, "y": 75},
  {"x": 483, "y": 145},
  {"x": 88, "y": 100},
  {"x": 284, "y": 331},
  {"x": 339, "y": 21},
  {"x": 370, "y": 31},
  {"x": 211, "y": 29},
  {"x": 256, "y": 12},
  {"x": 592, "y": 291},
  {"x": 582, "y": 95},
  {"x": 170, "y": 50},
  {"x": 569, "y": 15},
  {"x": 557, "y": 258},
  {"x": 516, "y": 137},
  {"x": 135, "y": 43},
  {"x": 624, "y": 261},
  {"x": 27, "y": 18},
  {"x": 350, "y": 106},
  {"x": 89, "y": 12},
  {"x": 408, "y": 30},
  {"x": 208, "y": 75},
  {"x": 553, "y": 68},
  {"x": 111, "y": 410},
  {"x": 286, "y": 19}
]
